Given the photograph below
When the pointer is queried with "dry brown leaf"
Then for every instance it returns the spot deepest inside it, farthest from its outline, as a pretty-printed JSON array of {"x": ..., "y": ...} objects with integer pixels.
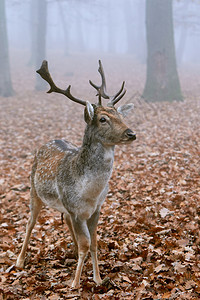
[{"x": 148, "y": 231}]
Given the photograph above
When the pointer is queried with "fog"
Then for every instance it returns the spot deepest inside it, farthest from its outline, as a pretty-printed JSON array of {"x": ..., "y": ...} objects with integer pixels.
[
  {"x": 112, "y": 29},
  {"x": 109, "y": 26},
  {"x": 77, "y": 26}
]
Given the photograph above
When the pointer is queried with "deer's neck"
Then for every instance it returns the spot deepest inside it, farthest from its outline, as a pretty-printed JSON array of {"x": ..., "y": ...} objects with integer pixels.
[{"x": 94, "y": 156}]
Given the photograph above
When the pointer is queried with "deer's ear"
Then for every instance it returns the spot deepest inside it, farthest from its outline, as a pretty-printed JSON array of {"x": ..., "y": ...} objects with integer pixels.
[
  {"x": 125, "y": 109},
  {"x": 89, "y": 112}
]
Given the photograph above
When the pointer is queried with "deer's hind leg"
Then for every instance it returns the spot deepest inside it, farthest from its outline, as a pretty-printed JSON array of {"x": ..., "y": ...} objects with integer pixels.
[
  {"x": 70, "y": 226},
  {"x": 35, "y": 206}
]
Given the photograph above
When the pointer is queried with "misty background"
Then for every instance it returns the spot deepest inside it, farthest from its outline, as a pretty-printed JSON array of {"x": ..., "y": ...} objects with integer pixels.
[
  {"x": 108, "y": 26},
  {"x": 110, "y": 29}
]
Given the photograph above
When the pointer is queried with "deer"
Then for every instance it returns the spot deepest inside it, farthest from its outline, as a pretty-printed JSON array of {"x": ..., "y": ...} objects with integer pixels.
[{"x": 74, "y": 180}]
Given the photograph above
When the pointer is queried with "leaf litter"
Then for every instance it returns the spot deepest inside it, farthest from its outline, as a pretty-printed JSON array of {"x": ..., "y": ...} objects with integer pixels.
[{"x": 148, "y": 233}]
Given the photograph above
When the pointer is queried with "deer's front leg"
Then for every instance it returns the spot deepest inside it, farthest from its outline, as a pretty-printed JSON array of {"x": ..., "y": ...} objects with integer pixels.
[
  {"x": 83, "y": 240},
  {"x": 92, "y": 226}
]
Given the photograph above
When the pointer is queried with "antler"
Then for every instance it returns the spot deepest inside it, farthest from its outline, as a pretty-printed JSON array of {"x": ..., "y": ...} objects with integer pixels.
[
  {"x": 101, "y": 90},
  {"x": 44, "y": 73}
]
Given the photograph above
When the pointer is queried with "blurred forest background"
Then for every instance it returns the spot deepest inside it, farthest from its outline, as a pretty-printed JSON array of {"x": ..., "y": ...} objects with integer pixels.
[{"x": 34, "y": 30}]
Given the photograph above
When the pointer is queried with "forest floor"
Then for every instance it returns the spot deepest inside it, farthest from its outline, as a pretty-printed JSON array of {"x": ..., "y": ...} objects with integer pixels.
[{"x": 148, "y": 233}]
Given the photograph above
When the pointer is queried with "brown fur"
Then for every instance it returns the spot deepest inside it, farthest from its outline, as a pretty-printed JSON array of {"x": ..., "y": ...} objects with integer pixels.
[{"x": 75, "y": 181}]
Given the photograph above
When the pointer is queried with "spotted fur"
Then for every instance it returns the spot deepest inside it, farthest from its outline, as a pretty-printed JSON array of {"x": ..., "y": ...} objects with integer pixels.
[{"x": 74, "y": 180}]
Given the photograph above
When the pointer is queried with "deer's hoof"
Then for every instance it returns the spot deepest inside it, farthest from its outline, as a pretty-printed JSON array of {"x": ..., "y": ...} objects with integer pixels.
[
  {"x": 75, "y": 285},
  {"x": 98, "y": 280},
  {"x": 20, "y": 263}
]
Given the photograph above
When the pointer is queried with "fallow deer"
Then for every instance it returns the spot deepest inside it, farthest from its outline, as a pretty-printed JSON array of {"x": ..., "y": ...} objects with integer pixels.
[{"x": 74, "y": 180}]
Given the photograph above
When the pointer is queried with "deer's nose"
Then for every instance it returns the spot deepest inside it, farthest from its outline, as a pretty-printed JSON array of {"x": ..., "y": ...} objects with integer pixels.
[{"x": 130, "y": 134}]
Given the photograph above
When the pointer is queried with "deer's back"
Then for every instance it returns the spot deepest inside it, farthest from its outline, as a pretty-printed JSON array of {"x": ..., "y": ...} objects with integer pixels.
[
  {"x": 48, "y": 160},
  {"x": 61, "y": 181}
]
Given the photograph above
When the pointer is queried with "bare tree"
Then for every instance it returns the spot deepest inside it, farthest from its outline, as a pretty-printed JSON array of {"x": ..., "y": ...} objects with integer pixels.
[
  {"x": 162, "y": 81},
  {"x": 134, "y": 25},
  {"x": 129, "y": 22},
  {"x": 65, "y": 26},
  {"x": 40, "y": 54},
  {"x": 33, "y": 31},
  {"x": 6, "y": 89},
  {"x": 111, "y": 27},
  {"x": 79, "y": 28}
]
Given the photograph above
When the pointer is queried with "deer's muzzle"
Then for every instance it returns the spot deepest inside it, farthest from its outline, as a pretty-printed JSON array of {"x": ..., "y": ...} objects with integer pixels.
[{"x": 130, "y": 135}]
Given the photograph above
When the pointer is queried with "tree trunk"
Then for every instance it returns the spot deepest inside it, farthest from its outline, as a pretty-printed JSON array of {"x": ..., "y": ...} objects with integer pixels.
[
  {"x": 111, "y": 28},
  {"x": 162, "y": 82},
  {"x": 6, "y": 89},
  {"x": 40, "y": 40},
  {"x": 65, "y": 27},
  {"x": 130, "y": 27},
  {"x": 79, "y": 30},
  {"x": 33, "y": 31}
]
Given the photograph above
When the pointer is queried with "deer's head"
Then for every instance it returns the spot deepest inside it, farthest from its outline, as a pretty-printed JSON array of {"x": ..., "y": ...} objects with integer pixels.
[{"x": 105, "y": 123}]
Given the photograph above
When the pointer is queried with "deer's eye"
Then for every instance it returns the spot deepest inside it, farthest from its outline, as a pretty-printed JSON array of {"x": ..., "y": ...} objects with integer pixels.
[{"x": 102, "y": 120}]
